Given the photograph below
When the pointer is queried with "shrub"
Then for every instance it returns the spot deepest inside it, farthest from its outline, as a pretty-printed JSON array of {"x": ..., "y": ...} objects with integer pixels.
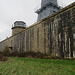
[
  {"x": 2, "y": 58},
  {"x": 14, "y": 54},
  {"x": 32, "y": 54},
  {"x": 6, "y": 51},
  {"x": 28, "y": 54},
  {"x": 52, "y": 57}
]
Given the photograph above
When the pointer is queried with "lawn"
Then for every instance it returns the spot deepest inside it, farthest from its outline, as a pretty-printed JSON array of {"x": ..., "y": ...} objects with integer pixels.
[{"x": 26, "y": 66}]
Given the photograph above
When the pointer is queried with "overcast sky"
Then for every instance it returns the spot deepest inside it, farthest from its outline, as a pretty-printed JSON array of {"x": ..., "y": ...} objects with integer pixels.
[{"x": 16, "y": 10}]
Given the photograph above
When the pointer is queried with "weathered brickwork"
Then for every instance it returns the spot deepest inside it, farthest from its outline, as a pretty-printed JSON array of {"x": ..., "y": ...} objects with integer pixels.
[{"x": 54, "y": 35}]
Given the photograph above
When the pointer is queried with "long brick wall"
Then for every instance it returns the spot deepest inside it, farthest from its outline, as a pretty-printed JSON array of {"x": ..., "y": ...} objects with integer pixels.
[{"x": 54, "y": 35}]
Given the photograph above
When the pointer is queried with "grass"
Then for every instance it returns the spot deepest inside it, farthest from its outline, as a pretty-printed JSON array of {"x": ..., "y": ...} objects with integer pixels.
[{"x": 26, "y": 66}]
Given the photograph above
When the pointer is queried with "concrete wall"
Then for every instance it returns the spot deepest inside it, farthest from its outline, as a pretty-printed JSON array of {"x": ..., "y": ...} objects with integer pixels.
[{"x": 54, "y": 35}]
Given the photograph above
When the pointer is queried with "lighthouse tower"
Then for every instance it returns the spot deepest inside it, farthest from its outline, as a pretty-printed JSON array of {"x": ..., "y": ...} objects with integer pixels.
[
  {"x": 48, "y": 7},
  {"x": 18, "y": 27}
]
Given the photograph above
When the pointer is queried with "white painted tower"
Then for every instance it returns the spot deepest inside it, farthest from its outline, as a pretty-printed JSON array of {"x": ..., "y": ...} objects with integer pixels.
[{"x": 48, "y": 7}]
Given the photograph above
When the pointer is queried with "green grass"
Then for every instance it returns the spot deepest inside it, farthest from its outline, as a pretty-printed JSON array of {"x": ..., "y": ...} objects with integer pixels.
[{"x": 25, "y": 66}]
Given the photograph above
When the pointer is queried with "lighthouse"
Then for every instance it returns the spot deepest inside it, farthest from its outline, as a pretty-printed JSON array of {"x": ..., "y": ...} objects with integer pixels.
[
  {"x": 48, "y": 7},
  {"x": 18, "y": 27}
]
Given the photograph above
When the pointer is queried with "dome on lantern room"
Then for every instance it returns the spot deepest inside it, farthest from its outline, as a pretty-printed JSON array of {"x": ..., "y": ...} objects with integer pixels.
[{"x": 19, "y": 24}]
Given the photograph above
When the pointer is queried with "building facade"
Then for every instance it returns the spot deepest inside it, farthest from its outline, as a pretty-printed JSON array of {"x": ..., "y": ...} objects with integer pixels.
[{"x": 54, "y": 35}]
